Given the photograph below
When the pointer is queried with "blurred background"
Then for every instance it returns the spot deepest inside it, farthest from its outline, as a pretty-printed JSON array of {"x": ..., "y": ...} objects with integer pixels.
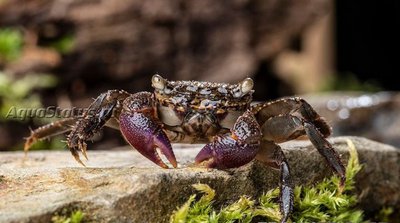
[{"x": 339, "y": 55}]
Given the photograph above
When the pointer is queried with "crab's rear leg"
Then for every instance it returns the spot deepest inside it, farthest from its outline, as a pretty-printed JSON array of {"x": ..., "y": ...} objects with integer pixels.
[
  {"x": 272, "y": 155},
  {"x": 49, "y": 130},
  {"x": 291, "y": 105},
  {"x": 287, "y": 127},
  {"x": 143, "y": 130}
]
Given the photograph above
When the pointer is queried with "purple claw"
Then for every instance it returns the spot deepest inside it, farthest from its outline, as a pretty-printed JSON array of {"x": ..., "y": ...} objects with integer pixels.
[
  {"x": 225, "y": 152},
  {"x": 161, "y": 141},
  {"x": 233, "y": 149},
  {"x": 145, "y": 135},
  {"x": 207, "y": 156}
]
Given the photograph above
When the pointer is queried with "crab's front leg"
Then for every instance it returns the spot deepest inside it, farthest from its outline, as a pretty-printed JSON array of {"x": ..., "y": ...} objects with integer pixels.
[
  {"x": 102, "y": 110},
  {"x": 143, "y": 130}
]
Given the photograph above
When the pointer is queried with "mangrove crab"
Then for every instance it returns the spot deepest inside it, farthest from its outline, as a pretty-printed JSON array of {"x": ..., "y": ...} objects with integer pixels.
[{"x": 235, "y": 130}]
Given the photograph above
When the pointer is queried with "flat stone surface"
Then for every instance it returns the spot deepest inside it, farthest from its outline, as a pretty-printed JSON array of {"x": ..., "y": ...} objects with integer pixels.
[{"x": 122, "y": 186}]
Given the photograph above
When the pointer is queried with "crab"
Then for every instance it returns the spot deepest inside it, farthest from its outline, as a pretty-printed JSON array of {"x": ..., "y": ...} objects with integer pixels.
[{"x": 234, "y": 129}]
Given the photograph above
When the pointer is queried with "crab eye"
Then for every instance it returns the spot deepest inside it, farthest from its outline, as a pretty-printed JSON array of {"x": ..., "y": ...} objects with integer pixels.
[
  {"x": 246, "y": 86},
  {"x": 242, "y": 88},
  {"x": 158, "y": 82}
]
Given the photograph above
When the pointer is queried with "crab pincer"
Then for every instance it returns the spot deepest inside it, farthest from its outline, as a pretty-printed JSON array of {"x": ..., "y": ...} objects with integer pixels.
[
  {"x": 233, "y": 149},
  {"x": 141, "y": 128}
]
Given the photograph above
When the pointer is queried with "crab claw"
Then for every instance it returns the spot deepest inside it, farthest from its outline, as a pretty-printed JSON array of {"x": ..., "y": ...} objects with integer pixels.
[
  {"x": 143, "y": 133},
  {"x": 225, "y": 152},
  {"x": 232, "y": 149},
  {"x": 140, "y": 127}
]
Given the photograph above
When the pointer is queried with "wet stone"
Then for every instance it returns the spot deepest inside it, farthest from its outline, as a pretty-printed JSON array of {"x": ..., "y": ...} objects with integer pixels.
[{"x": 122, "y": 186}]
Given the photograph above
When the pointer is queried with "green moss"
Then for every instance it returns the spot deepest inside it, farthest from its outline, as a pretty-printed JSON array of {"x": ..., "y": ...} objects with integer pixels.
[
  {"x": 18, "y": 100},
  {"x": 74, "y": 217},
  {"x": 20, "y": 93},
  {"x": 324, "y": 202},
  {"x": 11, "y": 42},
  {"x": 385, "y": 214}
]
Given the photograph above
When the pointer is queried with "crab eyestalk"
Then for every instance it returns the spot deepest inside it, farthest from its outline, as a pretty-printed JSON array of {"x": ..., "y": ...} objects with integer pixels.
[
  {"x": 246, "y": 86},
  {"x": 243, "y": 88},
  {"x": 142, "y": 130},
  {"x": 158, "y": 82}
]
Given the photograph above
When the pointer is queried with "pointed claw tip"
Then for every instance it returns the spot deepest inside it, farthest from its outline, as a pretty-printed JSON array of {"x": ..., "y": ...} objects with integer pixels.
[
  {"x": 172, "y": 161},
  {"x": 28, "y": 143},
  {"x": 155, "y": 157},
  {"x": 83, "y": 149},
  {"x": 26, "y": 153},
  {"x": 26, "y": 149},
  {"x": 163, "y": 165},
  {"x": 174, "y": 164},
  {"x": 157, "y": 160},
  {"x": 85, "y": 155},
  {"x": 342, "y": 183},
  {"x": 76, "y": 156},
  {"x": 205, "y": 157},
  {"x": 204, "y": 154},
  {"x": 162, "y": 142},
  {"x": 82, "y": 163}
]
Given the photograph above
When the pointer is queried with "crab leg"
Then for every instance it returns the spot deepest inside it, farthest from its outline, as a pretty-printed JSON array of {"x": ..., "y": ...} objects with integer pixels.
[
  {"x": 233, "y": 149},
  {"x": 272, "y": 155},
  {"x": 142, "y": 129},
  {"x": 291, "y": 105},
  {"x": 243, "y": 145},
  {"x": 287, "y": 127},
  {"x": 49, "y": 130},
  {"x": 96, "y": 116}
]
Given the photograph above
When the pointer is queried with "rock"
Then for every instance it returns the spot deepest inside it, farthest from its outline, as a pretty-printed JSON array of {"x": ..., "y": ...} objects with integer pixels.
[{"x": 122, "y": 186}]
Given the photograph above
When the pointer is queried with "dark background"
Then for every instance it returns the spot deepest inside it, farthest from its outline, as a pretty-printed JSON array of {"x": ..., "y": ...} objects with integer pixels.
[{"x": 368, "y": 41}]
